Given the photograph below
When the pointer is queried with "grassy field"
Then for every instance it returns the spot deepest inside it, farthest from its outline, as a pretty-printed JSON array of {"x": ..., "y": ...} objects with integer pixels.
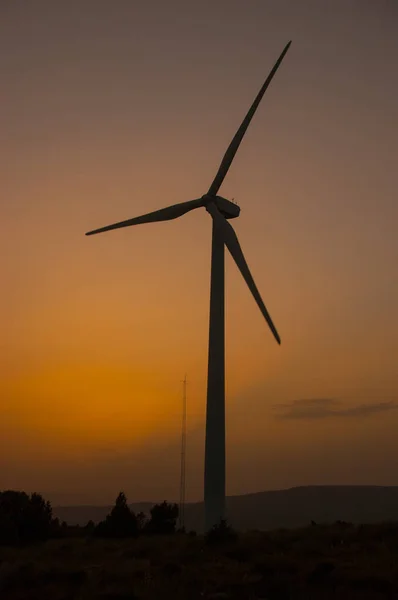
[{"x": 339, "y": 561}]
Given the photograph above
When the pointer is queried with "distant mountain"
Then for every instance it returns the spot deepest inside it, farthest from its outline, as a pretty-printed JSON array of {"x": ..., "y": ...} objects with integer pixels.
[{"x": 290, "y": 508}]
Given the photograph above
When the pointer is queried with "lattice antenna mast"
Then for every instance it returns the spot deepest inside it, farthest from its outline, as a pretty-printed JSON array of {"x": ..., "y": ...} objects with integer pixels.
[{"x": 183, "y": 452}]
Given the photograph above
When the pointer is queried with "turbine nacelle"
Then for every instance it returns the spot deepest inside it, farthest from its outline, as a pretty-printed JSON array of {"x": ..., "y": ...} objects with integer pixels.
[{"x": 228, "y": 209}]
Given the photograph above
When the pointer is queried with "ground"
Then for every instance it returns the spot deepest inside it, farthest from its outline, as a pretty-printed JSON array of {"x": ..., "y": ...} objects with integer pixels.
[{"x": 318, "y": 562}]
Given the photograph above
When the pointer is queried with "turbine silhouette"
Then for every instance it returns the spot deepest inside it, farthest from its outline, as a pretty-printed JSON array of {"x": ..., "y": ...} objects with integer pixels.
[{"x": 223, "y": 234}]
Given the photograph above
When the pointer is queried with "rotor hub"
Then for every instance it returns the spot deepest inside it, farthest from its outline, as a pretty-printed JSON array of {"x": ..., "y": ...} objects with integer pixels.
[{"x": 228, "y": 209}]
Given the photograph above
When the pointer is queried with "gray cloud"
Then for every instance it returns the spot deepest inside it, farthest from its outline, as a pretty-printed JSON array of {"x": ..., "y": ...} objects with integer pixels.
[{"x": 324, "y": 408}]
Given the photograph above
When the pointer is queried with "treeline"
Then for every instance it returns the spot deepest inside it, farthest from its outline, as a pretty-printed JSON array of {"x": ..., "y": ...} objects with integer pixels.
[{"x": 29, "y": 518}]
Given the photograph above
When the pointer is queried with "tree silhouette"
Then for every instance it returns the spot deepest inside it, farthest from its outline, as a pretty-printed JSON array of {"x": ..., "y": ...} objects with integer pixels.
[
  {"x": 24, "y": 518},
  {"x": 163, "y": 518},
  {"x": 38, "y": 519},
  {"x": 8, "y": 530},
  {"x": 90, "y": 526},
  {"x": 220, "y": 533},
  {"x": 121, "y": 522}
]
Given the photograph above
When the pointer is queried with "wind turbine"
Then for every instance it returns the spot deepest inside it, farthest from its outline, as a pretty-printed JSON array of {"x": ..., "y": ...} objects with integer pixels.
[{"x": 223, "y": 234}]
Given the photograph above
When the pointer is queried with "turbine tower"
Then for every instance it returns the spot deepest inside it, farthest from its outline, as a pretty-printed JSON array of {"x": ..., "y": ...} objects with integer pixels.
[{"x": 221, "y": 211}]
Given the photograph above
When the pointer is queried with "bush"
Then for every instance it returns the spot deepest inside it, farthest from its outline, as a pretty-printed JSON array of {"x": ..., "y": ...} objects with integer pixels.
[
  {"x": 25, "y": 518},
  {"x": 90, "y": 527},
  {"x": 163, "y": 519},
  {"x": 220, "y": 533},
  {"x": 8, "y": 530},
  {"x": 120, "y": 523}
]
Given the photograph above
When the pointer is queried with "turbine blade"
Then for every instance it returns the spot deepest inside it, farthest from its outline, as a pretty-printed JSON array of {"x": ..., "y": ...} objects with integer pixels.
[
  {"x": 164, "y": 214},
  {"x": 234, "y": 145},
  {"x": 232, "y": 243}
]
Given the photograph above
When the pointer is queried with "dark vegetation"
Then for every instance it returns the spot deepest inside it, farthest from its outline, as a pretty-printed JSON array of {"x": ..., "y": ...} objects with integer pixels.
[
  {"x": 26, "y": 519},
  {"x": 132, "y": 556}
]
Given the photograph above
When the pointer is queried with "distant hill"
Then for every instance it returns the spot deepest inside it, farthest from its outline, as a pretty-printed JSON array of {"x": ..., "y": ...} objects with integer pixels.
[{"x": 294, "y": 507}]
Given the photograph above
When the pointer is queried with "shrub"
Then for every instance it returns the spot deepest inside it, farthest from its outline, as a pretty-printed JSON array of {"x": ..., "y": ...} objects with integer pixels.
[
  {"x": 25, "y": 518},
  {"x": 163, "y": 519},
  {"x": 220, "y": 533},
  {"x": 120, "y": 523}
]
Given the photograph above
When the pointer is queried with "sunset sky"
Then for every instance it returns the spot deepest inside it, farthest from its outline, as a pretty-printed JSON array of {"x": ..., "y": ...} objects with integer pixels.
[{"x": 113, "y": 109}]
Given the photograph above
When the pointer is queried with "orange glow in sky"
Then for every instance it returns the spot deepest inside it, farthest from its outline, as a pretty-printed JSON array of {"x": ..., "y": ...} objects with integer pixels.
[{"x": 111, "y": 114}]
